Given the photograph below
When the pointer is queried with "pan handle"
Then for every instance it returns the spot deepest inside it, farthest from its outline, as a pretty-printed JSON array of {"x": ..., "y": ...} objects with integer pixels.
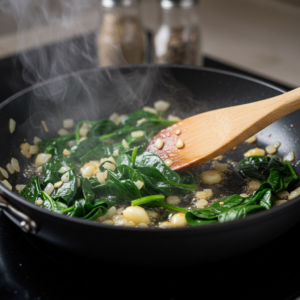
[{"x": 19, "y": 218}]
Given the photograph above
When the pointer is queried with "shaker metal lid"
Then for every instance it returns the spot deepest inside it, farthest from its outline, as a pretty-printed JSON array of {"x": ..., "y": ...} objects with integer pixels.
[
  {"x": 177, "y": 3},
  {"x": 112, "y": 3}
]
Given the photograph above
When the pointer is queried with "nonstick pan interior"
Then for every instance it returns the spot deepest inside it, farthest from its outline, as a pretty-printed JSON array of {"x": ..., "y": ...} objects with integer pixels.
[{"x": 95, "y": 94}]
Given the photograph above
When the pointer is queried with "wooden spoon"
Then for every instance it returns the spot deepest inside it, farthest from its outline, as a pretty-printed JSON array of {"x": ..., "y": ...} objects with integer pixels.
[{"x": 210, "y": 134}]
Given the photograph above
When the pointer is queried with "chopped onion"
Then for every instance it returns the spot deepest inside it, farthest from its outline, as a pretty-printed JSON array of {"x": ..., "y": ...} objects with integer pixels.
[
  {"x": 15, "y": 164},
  {"x": 255, "y": 152},
  {"x": 12, "y": 125},
  {"x": 125, "y": 145},
  {"x": 88, "y": 170},
  {"x": 68, "y": 123},
  {"x": 64, "y": 169},
  {"x": 150, "y": 109},
  {"x": 161, "y": 105},
  {"x": 49, "y": 188},
  {"x": 201, "y": 203},
  {"x": 211, "y": 176},
  {"x": 10, "y": 168},
  {"x": 251, "y": 140},
  {"x": 20, "y": 187},
  {"x": 289, "y": 157},
  {"x": 271, "y": 149},
  {"x": 7, "y": 184},
  {"x": 71, "y": 143},
  {"x": 277, "y": 145},
  {"x": 42, "y": 158},
  {"x": 34, "y": 149},
  {"x": 4, "y": 173},
  {"x": 36, "y": 140},
  {"x": 173, "y": 200},
  {"x": 115, "y": 118},
  {"x": 283, "y": 194},
  {"x": 138, "y": 133},
  {"x": 26, "y": 154},
  {"x": 45, "y": 126},
  {"x": 159, "y": 143},
  {"x": 66, "y": 177},
  {"x": 139, "y": 184},
  {"x": 63, "y": 132}
]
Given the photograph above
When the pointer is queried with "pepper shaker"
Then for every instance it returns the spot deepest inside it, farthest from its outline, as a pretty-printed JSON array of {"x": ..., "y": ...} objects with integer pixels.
[
  {"x": 177, "y": 39},
  {"x": 120, "y": 38}
]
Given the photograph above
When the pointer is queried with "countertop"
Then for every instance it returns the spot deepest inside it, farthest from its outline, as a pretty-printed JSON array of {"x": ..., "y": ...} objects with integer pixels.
[{"x": 260, "y": 36}]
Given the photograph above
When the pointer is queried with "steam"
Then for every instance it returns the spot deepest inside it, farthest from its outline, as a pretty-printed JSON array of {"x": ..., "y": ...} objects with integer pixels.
[{"x": 71, "y": 27}]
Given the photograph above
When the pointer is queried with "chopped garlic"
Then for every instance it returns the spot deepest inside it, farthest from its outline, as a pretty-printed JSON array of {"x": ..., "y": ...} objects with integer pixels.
[
  {"x": 66, "y": 152},
  {"x": 36, "y": 140},
  {"x": 211, "y": 176},
  {"x": 7, "y": 184},
  {"x": 10, "y": 168},
  {"x": 15, "y": 164},
  {"x": 68, "y": 123},
  {"x": 289, "y": 157},
  {"x": 251, "y": 140},
  {"x": 201, "y": 203},
  {"x": 277, "y": 145},
  {"x": 283, "y": 194},
  {"x": 12, "y": 125},
  {"x": 63, "y": 132},
  {"x": 138, "y": 133},
  {"x": 161, "y": 105},
  {"x": 140, "y": 121},
  {"x": 64, "y": 169},
  {"x": 20, "y": 187},
  {"x": 168, "y": 162},
  {"x": 26, "y": 154},
  {"x": 58, "y": 184},
  {"x": 173, "y": 118},
  {"x": 255, "y": 152},
  {"x": 66, "y": 177},
  {"x": 220, "y": 167},
  {"x": 150, "y": 109},
  {"x": 139, "y": 184},
  {"x": 125, "y": 145},
  {"x": 271, "y": 149},
  {"x": 45, "y": 126},
  {"x": 159, "y": 143},
  {"x": 34, "y": 149},
  {"x": 179, "y": 144},
  {"x": 115, "y": 118},
  {"x": 4, "y": 173},
  {"x": 49, "y": 188},
  {"x": 173, "y": 200}
]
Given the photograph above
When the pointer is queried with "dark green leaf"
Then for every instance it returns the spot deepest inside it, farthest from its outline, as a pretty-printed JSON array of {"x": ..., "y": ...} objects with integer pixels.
[{"x": 102, "y": 127}]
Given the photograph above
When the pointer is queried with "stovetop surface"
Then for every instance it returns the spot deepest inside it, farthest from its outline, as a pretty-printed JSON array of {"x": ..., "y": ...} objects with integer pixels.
[{"x": 32, "y": 269}]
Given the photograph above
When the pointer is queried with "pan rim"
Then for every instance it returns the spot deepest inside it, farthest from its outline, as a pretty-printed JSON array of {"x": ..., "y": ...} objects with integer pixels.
[{"x": 205, "y": 229}]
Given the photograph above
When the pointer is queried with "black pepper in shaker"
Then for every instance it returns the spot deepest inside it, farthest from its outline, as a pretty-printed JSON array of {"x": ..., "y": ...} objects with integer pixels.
[
  {"x": 120, "y": 38},
  {"x": 177, "y": 39}
]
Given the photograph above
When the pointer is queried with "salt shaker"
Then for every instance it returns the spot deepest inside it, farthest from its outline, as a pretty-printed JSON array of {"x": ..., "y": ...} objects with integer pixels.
[
  {"x": 120, "y": 38},
  {"x": 177, "y": 39}
]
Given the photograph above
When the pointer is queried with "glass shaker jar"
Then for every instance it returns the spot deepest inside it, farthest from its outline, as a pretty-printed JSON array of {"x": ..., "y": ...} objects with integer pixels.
[
  {"x": 177, "y": 39},
  {"x": 120, "y": 38}
]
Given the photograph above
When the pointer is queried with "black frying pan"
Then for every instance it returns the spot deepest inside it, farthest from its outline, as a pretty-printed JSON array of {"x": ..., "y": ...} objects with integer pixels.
[{"x": 96, "y": 94}]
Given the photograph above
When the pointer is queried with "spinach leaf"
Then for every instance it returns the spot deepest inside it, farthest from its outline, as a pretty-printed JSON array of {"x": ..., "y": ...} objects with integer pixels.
[
  {"x": 87, "y": 190},
  {"x": 255, "y": 167},
  {"x": 81, "y": 148},
  {"x": 147, "y": 159},
  {"x": 68, "y": 190},
  {"x": 131, "y": 119},
  {"x": 119, "y": 133},
  {"x": 239, "y": 212},
  {"x": 102, "y": 127},
  {"x": 32, "y": 190},
  {"x": 59, "y": 143},
  {"x": 101, "y": 151}
]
